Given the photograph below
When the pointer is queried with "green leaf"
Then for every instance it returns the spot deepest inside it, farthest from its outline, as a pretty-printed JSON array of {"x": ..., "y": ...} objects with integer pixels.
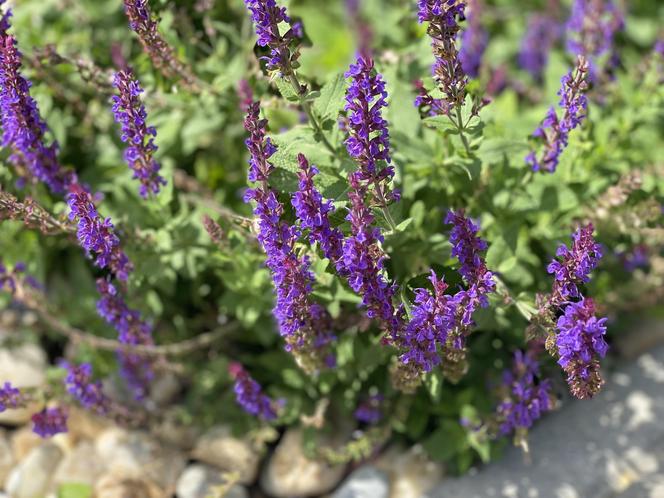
[
  {"x": 442, "y": 123},
  {"x": 331, "y": 99},
  {"x": 434, "y": 384},
  {"x": 286, "y": 90},
  {"x": 495, "y": 150},
  {"x": 75, "y": 490}
]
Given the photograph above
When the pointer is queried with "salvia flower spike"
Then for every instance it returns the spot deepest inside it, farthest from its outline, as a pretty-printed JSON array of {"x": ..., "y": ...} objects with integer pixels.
[
  {"x": 554, "y": 132},
  {"x": 132, "y": 330},
  {"x": 23, "y": 130},
  {"x": 580, "y": 344},
  {"x": 10, "y": 397},
  {"x": 267, "y": 16},
  {"x": 160, "y": 52},
  {"x": 96, "y": 234},
  {"x": 130, "y": 113},
  {"x": 474, "y": 41},
  {"x": 49, "y": 422},
  {"x": 442, "y": 17},
  {"x": 87, "y": 392},
  {"x": 542, "y": 33},
  {"x": 305, "y": 325},
  {"x": 250, "y": 396}
]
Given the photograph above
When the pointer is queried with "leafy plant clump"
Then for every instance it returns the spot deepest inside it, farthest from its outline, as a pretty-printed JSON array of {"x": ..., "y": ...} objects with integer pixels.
[{"x": 448, "y": 210}]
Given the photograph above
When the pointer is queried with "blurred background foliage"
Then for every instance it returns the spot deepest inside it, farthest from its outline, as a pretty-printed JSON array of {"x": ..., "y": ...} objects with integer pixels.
[{"x": 187, "y": 285}]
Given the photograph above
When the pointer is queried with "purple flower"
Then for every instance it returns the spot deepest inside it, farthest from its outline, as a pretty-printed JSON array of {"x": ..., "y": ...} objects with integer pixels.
[
  {"x": 133, "y": 331},
  {"x": 525, "y": 398},
  {"x": 245, "y": 94},
  {"x": 554, "y": 132},
  {"x": 427, "y": 104},
  {"x": 369, "y": 411},
  {"x": 542, "y": 33},
  {"x": 49, "y": 422},
  {"x": 23, "y": 130},
  {"x": 574, "y": 265},
  {"x": 590, "y": 32},
  {"x": 80, "y": 385},
  {"x": 305, "y": 325},
  {"x": 433, "y": 317},
  {"x": 368, "y": 139},
  {"x": 10, "y": 397},
  {"x": 267, "y": 16},
  {"x": 443, "y": 27},
  {"x": 313, "y": 212},
  {"x": 363, "y": 30},
  {"x": 160, "y": 52},
  {"x": 363, "y": 258},
  {"x": 580, "y": 343},
  {"x": 249, "y": 394},
  {"x": 95, "y": 234},
  {"x": 638, "y": 257},
  {"x": 468, "y": 248},
  {"x": 474, "y": 41},
  {"x": 130, "y": 113}
]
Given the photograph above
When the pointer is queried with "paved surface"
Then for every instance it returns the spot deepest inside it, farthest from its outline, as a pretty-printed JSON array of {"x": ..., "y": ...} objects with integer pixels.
[{"x": 609, "y": 447}]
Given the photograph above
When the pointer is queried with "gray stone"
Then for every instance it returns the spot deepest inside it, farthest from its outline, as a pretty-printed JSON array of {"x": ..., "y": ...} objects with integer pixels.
[
  {"x": 82, "y": 465},
  {"x": 611, "y": 445},
  {"x": 6, "y": 457},
  {"x": 137, "y": 455},
  {"x": 366, "y": 482},
  {"x": 118, "y": 484},
  {"x": 164, "y": 389},
  {"x": 22, "y": 366},
  {"x": 290, "y": 473},
  {"x": 198, "y": 481},
  {"x": 219, "y": 448},
  {"x": 410, "y": 470},
  {"x": 32, "y": 478}
]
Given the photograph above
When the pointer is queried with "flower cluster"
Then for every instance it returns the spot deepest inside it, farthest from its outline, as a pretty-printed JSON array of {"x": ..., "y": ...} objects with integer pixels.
[
  {"x": 160, "y": 52},
  {"x": 370, "y": 410},
  {"x": 525, "y": 398},
  {"x": 637, "y": 257},
  {"x": 542, "y": 33},
  {"x": 130, "y": 113},
  {"x": 427, "y": 104},
  {"x": 49, "y": 422},
  {"x": 575, "y": 264},
  {"x": 443, "y": 28},
  {"x": 10, "y": 397},
  {"x": 591, "y": 29},
  {"x": 313, "y": 212},
  {"x": 132, "y": 331},
  {"x": 95, "y": 234},
  {"x": 580, "y": 343},
  {"x": 474, "y": 41},
  {"x": 23, "y": 130},
  {"x": 250, "y": 396},
  {"x": 305, "y": 325},
  {"x": 267, "y": 16},
  {"x": 80, "y": 385},
  {"x": 368, "y": 139},
  {"x": 554, "y": 132}
]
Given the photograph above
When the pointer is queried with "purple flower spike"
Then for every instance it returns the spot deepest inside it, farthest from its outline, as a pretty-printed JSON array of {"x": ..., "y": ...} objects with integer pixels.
[
  {"x": 10, "y": 397},
  {"x": 554, "y": 132},
  {"x": 49, "y": 422},
  {"x": 369, "y": 139},
  {"x": 427, "y": 332},
  {"x": 132, "y": 330},
  {"x": 305, "y": 325},
  {"x": 130, "y": 113},
  {"x": 313, "y": 212},
  {"x": 580, "y": 343},
  {"x": 363, "y": 259},
  {"x": 591, "y": 30},
  {"x": 370, "y": 410},
  {"x": 473, "y": 41},
  {"x": 89, "y": 393},
  {"x": 542, "y": 33},
  {"x": 95, "y": 234},
  {"x": 23, "y": 130},
  {"x": 249, "y": 394},
  {"x": 525, "y": 399},
  {"x": 443, "y": 27},
  {"x": 267, "y": 16},
  {"x": 574, "y": 265},
  {"x": 160, "y": 52}
]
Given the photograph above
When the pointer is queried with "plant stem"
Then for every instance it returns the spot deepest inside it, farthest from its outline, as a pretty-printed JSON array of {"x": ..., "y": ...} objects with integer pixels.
[
  {"x": 306, "y": 107},
  {"x": 459, "y": 125}
]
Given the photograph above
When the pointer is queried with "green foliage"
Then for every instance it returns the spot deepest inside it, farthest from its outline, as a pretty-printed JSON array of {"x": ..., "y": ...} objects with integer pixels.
[{"x": 186, "y": 284}]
